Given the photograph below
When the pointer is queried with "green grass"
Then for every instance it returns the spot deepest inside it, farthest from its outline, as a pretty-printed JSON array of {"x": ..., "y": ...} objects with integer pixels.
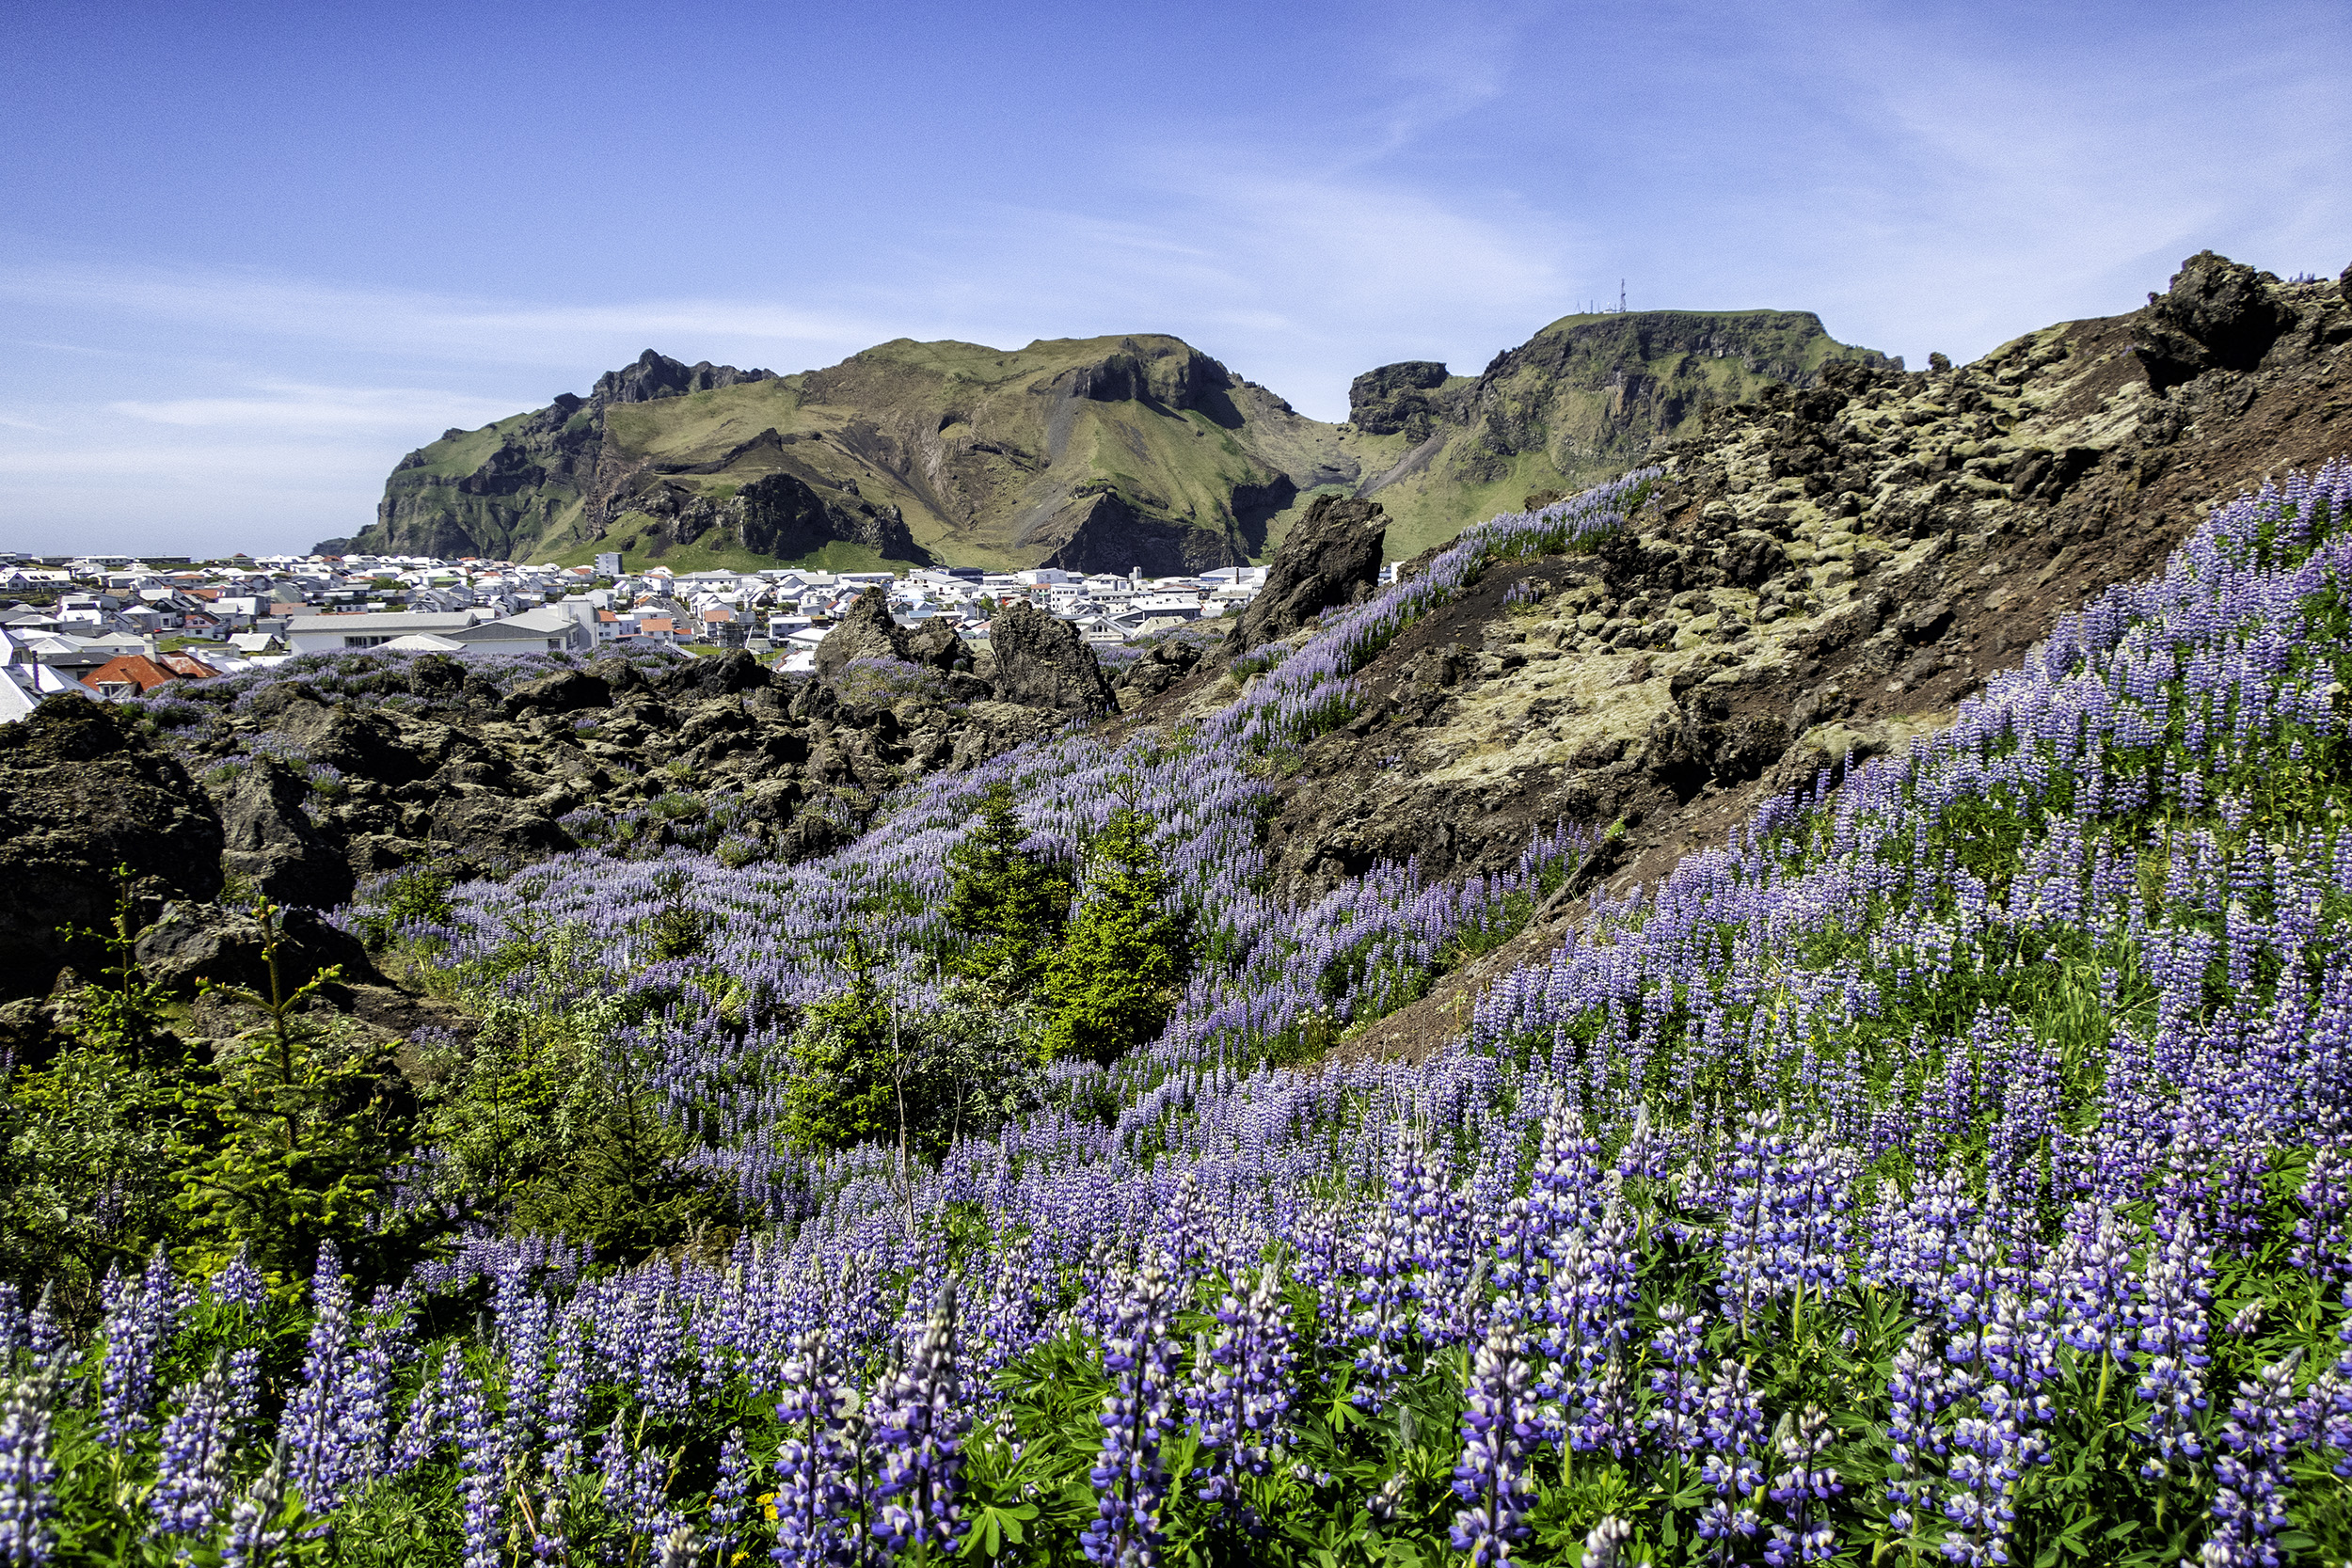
[{"x": 838, "y": 556}]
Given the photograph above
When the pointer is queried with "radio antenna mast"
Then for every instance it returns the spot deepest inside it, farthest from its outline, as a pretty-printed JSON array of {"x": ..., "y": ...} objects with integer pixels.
[{"x": 1621, "y": 296}]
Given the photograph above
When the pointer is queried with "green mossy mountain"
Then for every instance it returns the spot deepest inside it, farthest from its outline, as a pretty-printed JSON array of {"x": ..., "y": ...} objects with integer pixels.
[
  {"x": 1094, "y": 453},
  {"x": 1583, "y": 401}
]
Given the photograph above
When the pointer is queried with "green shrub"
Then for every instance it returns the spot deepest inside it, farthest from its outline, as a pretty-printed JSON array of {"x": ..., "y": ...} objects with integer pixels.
[{"x": 420, "y": 896}]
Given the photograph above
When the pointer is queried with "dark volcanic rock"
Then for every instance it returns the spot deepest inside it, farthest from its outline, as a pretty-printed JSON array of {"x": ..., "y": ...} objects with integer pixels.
[
  {"x": 435, "y": 675},
  {"x": 566, "y": 691},
  {"x": 491, "y": 829},
  {"x": 268, "y": 840},
  {"x": 1394, "y": 397},
  {"x": 1040, "y": 662},
  {"x": 657, "y": 376},
  {"x": 936, "y": 645},
  {"x": 2219, "y": 314},
  {"x": 195, "y": 942},
  {"x": 1160, "y": 668},
  {"x": 867, "y": 632},
  {"x": 1107, "y": 534},
  {"x": 81, "y": 793},
  {"x": 1332, "y": 556},
  {"x": 726, "y": 674}
]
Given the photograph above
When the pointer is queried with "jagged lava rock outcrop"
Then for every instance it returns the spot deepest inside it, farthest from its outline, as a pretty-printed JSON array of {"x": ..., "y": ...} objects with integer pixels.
[
  {"x": 1332, "y": 557},
  {"x": 1040, "y": 661}
]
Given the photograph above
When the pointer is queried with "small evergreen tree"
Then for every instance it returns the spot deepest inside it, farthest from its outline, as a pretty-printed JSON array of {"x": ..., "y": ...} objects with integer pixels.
[
  {"x": 124, "y": 1016},
  {"x": 1009, "y": 905},
  {"x": 88, "y": 1178},
  {"x": 624, "y": 1184},
  {"x": 1112, "y": 983},
  {"x": 296, "y": 1140},
  {"x": 845, "y": 1081}
]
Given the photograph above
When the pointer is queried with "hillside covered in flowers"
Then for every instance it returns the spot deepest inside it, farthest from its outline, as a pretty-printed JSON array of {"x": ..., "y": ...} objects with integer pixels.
[{"x": 1952, "y": 1165}]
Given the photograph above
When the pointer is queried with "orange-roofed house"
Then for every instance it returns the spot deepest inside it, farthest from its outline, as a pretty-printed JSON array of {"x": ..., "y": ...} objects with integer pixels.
[{"x": 137, "y": 675}]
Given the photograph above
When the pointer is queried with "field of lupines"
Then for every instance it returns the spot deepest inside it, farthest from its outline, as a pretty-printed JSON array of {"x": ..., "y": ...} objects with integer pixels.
[{"x": 1952, "y": 1167}]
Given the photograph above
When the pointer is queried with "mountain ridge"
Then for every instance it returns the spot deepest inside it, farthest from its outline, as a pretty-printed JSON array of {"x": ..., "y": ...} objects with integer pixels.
[{"x": 1092, "y": 453}]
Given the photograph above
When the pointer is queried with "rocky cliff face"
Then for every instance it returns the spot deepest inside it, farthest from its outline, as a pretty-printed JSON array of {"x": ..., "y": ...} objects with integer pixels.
[{"x": 562, "y": 477}]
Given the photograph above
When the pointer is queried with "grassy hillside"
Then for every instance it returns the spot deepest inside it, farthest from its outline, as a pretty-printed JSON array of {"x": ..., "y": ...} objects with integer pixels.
[
  {"x": 1090, "y": 452},
  {"x": 1583, "y": 401}
]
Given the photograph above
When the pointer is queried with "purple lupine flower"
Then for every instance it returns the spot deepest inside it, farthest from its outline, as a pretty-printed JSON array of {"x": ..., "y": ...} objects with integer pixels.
[
  {"x": 1604, "y": 1543},
  {"x": 27, "y": 1472},
  {"x": 568, "y": 1394},
  {"x": 1241, "y": 1391},
  {"x": 46, "y": 1334},
  {"x": 635, "y": 1480},
  {"x": 192, "y": 1467},
  {"x": 1130, "y": 1480},
  {"x": 2330, "y": 1400},
  {"x": 2171, "y": 1348},
  {"x": 523, "y": 1331},
  {"x": 2093, "y": 1266},
  {"x": 1595, "y": 1291},
  {"x": 676, "y": 1546},
  {"x": 2323, "y": 1233},
  {"x": 1988, "y": 1452},
  {"x": 2263, "y": 1430},
  {"x": 1731, "y": 1424},
  {"x": 821, "y": 1501},
  {"x": 551, "y": 1497},
  {"x": 727, "y": 1493},
  {"x": 1493, "y": 1479},
  {"x": 1803, "y": 1536},
  {"x": 1678, "y": 1344},
  {"x": 312, "y": 1425},
  {"x": 1915, "y": 1395},
  {"x": 919, "y": 1439},
  {"x": 1383, "y": 1317},
  {"x": 481, "y": 1475},
  {"x": 141, "y": 1315},
  {"x": 364, "y": 1407},
  {"x": 421, "y": 1431},
  {"x": 258, "y": 1526},
  {"x": 240, "y": 1285}
]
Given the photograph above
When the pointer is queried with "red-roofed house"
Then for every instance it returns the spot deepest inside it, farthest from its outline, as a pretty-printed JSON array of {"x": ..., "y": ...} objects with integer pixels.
[{"x": 137, "y": 675}]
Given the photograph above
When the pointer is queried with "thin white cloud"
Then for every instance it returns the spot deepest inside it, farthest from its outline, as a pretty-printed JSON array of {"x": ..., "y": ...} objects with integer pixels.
[
  {"x": 295, "y": 407},
  {"x": 410, "y": 323}
]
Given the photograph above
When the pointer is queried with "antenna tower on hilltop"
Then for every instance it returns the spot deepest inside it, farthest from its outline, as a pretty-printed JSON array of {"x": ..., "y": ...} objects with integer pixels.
[{"x": 1621, "y": 296}]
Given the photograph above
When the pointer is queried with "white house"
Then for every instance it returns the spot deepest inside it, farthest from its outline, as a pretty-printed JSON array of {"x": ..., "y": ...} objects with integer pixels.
[
  {"x": 550, "y": 629},
  {"x": 323, "y": 634}
]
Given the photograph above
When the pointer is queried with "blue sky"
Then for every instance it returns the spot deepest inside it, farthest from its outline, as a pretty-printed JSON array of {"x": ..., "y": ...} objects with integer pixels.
[{"x": 249, "y": 256}]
